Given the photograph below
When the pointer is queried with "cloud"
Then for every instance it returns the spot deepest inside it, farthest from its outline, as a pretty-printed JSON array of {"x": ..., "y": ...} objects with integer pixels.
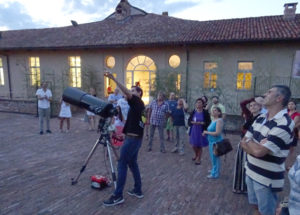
[
  {"x": 12, "y": 16},
  {"x": 181, "y": 1}
]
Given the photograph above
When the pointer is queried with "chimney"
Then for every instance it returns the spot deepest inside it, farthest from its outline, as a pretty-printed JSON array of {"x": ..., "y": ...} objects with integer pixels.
[
  {"x": 165, "y": 13},
  {"x": 74, "y": 23},
  {"x": 290, "y": 11}
]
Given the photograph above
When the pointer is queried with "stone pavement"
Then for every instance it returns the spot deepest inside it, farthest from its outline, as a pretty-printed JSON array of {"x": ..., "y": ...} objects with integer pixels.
[{"x": 36, "y": 172}]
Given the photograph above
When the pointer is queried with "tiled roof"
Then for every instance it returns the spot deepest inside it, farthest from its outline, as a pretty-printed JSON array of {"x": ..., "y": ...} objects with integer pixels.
[{"x": 152, "y": 29}]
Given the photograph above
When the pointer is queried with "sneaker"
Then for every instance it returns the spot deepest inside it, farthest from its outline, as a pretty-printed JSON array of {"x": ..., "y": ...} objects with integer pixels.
[
  {"x": 181, "y": 153},
  {"x": 211, "y": 177},
  {"x": 48, "y": 131},
  {"x": 163, "y": 151},
  {"x": 136, "y": 194},
  {"x": 149, "y": 149},
  {"x": 174, "y": 150},
  {"x": 113, "y": 200},
  {"x": 41, "y": 132}
]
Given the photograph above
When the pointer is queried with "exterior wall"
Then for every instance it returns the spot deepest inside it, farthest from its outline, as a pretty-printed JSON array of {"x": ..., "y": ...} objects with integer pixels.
[
  {"x": 272, "y": 62},
  {"x": 269, "y": 59},
  {"x": 4, "y": 90}
]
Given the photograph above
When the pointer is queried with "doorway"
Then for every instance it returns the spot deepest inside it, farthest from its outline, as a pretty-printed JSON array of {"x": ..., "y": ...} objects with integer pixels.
[{"x": 141, "y": 71}]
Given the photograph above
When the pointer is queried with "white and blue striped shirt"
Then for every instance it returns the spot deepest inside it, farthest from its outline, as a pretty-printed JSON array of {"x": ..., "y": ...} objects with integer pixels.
[{"x": 269, "y": 169}]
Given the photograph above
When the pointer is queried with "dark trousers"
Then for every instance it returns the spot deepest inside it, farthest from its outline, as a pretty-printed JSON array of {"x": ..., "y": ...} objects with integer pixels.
[{"x": 128, "y": 157}]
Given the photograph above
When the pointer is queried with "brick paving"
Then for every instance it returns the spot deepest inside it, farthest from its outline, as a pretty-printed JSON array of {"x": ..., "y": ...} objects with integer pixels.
[{"x": 36, "y": 172}]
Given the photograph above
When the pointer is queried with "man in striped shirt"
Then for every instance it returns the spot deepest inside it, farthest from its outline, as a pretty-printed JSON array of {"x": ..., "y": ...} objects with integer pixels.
[{"x": 267, "y": 145}]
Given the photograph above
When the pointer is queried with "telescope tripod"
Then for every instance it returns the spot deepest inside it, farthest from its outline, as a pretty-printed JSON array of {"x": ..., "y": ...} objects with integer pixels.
[{"x": 104, "y": 140}]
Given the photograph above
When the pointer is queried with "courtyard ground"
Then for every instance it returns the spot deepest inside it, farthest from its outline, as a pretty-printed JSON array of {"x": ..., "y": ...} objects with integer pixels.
[{"x": 36, "y": 172}]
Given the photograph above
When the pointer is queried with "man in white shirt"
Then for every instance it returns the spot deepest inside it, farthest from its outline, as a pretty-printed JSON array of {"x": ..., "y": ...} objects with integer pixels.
[
  {"x": 44, "y": 96},
  {"x": 113, "y": 98},
  {"x": 122, "y": 102}
]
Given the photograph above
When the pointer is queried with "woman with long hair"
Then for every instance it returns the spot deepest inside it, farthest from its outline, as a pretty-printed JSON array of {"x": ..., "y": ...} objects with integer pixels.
[
  {"x": 214, "y": 135},
  {"x": 198, "y": 121},
  {"x": 249, "y": 114},
  {"x": 295, "y": 116}
]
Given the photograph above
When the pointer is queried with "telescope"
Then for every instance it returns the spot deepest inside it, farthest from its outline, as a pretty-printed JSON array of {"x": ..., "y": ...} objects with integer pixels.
[
  {"x": 91, "y": 103},
  {"x": 106, "y": 110}
]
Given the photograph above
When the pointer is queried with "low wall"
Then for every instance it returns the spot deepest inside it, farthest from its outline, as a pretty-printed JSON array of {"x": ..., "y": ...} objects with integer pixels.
[
  {"x": 18, "y": 106},
  {"x": 29, "y": 107}
]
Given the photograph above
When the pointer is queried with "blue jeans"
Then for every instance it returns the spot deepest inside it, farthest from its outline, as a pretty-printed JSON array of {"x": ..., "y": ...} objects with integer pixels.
[
  {"x": 44, "y": 112},
  {"x": 128, "y": 157},
  {"x": 161, "y": 136},
  {"x": 215, "y": 161},
  {"x": 262, "y": 196}
]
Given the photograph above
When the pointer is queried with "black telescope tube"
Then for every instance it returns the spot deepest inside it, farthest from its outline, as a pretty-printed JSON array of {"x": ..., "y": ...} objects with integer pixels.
[{"x": 91, "y": 103}]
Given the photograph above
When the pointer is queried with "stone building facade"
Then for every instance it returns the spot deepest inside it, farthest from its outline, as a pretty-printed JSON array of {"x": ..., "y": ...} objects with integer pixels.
[{"x": 235, "y": 58}]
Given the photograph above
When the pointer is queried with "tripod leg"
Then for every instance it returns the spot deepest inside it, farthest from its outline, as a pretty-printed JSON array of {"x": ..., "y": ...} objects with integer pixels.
[
  {"x": 114, "y": 178},
  {"x": 115, "y": 153},
  {"x": 74, "y": 181}
]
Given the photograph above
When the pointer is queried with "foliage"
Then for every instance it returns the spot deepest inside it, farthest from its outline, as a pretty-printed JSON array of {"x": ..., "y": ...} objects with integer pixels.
[{"x": 165, "y": 82}]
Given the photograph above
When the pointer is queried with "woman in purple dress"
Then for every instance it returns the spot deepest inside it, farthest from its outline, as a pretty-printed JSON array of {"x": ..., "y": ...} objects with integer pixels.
[{"x": 198, "y": 121}]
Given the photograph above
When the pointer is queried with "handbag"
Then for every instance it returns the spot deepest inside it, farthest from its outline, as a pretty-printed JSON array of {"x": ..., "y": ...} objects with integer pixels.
[
  {"x": 222, "y": 147},
  {"x": 186, "y": 119}
]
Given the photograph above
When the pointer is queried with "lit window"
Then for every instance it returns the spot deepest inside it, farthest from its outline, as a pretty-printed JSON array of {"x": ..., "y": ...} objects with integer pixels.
[
  {"x": 75, "y": 71},
  {"x": 1, "y": 73},
  {"x": 210, "y": 75},
  {"x": 109, "y": 85},
  {"x": 110, "y": 62},
  {"x": 244, "y": 75},
  {"x": 141, "y": 71},
  {"x": 34, "y": 71},
  {"x": 178, "y": 82},
  {"x": 174, "y": 61}
]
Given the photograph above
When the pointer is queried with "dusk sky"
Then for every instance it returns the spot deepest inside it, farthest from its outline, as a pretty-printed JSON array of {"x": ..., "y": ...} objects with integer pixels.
[{"x": 27, "y": 14}]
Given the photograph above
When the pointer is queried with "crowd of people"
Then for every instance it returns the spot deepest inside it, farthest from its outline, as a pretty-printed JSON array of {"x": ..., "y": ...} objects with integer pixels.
[{"x": 269, "y": 136}]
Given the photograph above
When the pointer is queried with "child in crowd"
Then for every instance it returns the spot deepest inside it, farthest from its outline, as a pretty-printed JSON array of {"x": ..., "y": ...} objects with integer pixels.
[{"x": 64, "y": 114}]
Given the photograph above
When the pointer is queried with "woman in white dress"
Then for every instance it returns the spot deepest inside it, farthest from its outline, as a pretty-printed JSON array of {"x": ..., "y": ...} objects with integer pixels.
[{"x": 64, "y": 114}]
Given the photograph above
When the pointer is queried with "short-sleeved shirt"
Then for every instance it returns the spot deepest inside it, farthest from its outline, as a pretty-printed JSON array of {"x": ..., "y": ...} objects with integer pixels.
[
  {"x": 269, "y": 170},
  {"x": 114, "y": 97},
  {"x": 178, "y": 117},
  {"x": 43, "y": 103},
  {"x": 124, "y": 107},
  {"x": 134, "y": 123},
  {"x": 158, "y": 113},
  {"x": 172, "y": 105}
]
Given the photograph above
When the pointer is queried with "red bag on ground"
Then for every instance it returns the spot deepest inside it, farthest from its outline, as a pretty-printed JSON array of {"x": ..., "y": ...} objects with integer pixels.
[{"x": 99, "y": 181}]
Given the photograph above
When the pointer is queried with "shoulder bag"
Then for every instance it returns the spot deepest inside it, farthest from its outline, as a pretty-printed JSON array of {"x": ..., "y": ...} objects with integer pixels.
[{"x": 222, "y": 147}]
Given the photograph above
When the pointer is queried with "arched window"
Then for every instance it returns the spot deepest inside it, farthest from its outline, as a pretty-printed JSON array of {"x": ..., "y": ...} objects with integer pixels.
[{"x": 141, "y": 71}]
